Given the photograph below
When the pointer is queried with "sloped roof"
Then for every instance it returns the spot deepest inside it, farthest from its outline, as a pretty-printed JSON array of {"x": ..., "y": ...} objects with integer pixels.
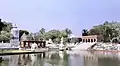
[{"x": 24, "y": 37}]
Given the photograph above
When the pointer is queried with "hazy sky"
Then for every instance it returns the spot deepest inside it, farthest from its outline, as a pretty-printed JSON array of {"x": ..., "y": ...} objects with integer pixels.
[{"x": 74, "y": 14}]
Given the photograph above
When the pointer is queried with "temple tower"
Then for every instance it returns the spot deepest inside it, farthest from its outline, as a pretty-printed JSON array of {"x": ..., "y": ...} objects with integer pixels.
[{"x": 15, "y": 36}]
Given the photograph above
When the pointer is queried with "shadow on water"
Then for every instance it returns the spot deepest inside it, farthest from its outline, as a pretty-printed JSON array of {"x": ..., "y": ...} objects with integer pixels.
[{"x": 63, "y": 58}]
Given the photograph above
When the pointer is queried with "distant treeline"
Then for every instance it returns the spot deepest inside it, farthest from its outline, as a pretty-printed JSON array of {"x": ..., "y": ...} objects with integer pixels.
[{"x": 108, "y": 31}]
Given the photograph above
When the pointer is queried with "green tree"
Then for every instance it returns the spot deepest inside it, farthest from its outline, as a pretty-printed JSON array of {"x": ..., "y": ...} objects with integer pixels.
[
  {"x": 5, "y": 29},
  {"x": 5, "y": 36},
  {"x": 107, "y": 30},
  {"x": 41, "y": 34},
  {"x": 8, "y": 26},
  {"x": 2, "y": 25},
  {"x": 42, "y": 31},
  {"x": 84, "y": 32},
  {"x": 63, "y": 34},
  {"x": 68, "y": 31},
  {"x": 54, "y": 34}
]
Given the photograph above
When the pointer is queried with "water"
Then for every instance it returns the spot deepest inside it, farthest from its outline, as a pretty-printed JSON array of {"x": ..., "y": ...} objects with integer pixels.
[{"x": 59, "y": 58}]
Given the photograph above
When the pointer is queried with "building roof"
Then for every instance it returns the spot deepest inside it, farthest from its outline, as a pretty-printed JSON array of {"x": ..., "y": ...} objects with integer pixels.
[
  {"x": 23, "y": 37},
  {"x": 90, "y": 36}
]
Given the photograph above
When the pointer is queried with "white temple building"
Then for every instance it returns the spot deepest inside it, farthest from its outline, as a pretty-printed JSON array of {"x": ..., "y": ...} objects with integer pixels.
[{"x": 15, "y": 37}]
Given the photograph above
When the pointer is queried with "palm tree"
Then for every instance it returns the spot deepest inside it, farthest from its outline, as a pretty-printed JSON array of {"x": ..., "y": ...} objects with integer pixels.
[
  {"x": 42, "y": 31},
  {"x": 68, "y": 31},
  {"x": 84, "y": 32}
]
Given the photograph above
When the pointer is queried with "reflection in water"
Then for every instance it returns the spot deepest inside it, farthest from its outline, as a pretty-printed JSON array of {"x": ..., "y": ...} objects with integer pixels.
[{"x": 70, "y": 58}]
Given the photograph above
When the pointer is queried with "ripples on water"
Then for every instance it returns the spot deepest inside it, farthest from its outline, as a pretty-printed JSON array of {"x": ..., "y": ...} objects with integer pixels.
[{"x": 66, "y": 58}]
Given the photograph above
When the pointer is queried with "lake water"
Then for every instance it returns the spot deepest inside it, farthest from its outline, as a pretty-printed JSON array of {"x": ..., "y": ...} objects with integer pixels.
[{"x": 66, "y": 58}]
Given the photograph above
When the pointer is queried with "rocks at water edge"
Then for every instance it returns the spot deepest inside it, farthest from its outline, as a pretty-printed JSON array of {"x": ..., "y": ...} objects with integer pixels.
[{"x": 106, "y": 46}]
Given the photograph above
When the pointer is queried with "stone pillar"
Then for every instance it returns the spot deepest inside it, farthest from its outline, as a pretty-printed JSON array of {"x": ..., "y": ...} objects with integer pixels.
[
  {"x": 96, "y": 40},
  {"x": 82, "y": 39},
  {"x": 40, "y": 44},
  {"x": 37, "y": 43},
  {"x": 86, "y": 40},
  {"x": 90, "y": 40},
  {"x": 44, "y": 44},
  {"x": 29, "y": 45},
  {"x": 24, "y": 44}
]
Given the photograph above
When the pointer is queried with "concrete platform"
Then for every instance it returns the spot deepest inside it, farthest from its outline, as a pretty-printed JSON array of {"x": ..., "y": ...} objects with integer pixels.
[{"x": 14, "y": 52}]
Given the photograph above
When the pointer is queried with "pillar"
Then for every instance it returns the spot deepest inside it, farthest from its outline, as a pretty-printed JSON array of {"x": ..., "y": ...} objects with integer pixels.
[
  {"x": 44, "y": 44},
  {"x": 86, "y": 40},
  {"x": 29, "y": 45},
  {"x": 24, "y": 44},
  {"x": 82, "y": 40},
  {"x": 96, "y": 40},
  {"x": 40, "y": 43},
  {"x": 90, "y": 40}
]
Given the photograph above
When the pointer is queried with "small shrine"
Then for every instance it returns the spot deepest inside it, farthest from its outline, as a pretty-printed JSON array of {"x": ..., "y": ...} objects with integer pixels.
[{"x": 25, "y": 43}]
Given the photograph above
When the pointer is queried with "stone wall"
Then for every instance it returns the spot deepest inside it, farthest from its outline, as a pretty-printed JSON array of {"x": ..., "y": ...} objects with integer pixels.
[{"x": 7, "y": 46}]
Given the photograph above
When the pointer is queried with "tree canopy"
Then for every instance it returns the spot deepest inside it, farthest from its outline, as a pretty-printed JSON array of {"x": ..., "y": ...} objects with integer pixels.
[
  {"x": 54, "y": 34},
  {"x": 107, "y": 30},
  {"x": 5, "y": 28}
]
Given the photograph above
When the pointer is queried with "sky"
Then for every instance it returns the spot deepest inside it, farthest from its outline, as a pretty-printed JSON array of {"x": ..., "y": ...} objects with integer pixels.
[{"x": 76, "y": 15}]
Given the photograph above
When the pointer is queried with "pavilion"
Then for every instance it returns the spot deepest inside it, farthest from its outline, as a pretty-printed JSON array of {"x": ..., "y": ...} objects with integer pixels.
[
  {"x": 91, "y": 38},
  {"x": 25, "y": 43}
]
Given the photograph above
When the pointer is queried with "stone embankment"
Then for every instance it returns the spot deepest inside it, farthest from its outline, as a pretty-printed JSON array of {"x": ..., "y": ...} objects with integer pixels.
[
  {"x": 13, "y": 52},
  {"x": 106, "y": 46}
]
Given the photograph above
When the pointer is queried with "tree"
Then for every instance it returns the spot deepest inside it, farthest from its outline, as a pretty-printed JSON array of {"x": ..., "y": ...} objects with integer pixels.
[
  {"x": 107, "y": 30},
  {"x": 84, "y": 32},
  {"x": 8, "y": 26},
  {"x": 5, "y": 36},
  {"x": 5, "y": 29},
  {"x": 68, "y": 31},
  {"x": 42, "y": 31},
  {"x": 54, "y": 34},
  {"x": 63, "y": 34},
  {"x": 2, "y": 25}
]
